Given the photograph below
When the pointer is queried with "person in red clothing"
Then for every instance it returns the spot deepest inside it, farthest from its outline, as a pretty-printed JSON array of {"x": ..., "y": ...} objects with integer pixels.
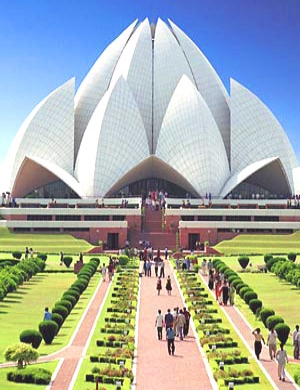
[{"x": 187, "y": 322}]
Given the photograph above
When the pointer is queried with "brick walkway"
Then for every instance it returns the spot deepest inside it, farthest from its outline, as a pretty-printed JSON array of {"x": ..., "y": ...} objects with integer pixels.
[
  {"x": 245, "y": 331},
  {"x": 155, "y": 368}
]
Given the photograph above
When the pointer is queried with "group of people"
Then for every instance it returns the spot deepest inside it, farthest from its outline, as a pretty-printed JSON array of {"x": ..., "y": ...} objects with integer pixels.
[
  {"x": 176, "y": 325},
  {"x": 225, "y": 292},
  {"x": 109, "y": 270},
  {"x": 156, "y": 199},
  {"x": 279, "y": 355},
  {"x": 168, "y": 285}
]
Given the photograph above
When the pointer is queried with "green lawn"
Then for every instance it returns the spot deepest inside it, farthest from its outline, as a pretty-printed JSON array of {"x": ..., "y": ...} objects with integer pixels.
[
  {"x": 53, "y": 243},
  {"x": 23, "y": 386},
  {"x": 24, "y": 309},
  {"x": 261, "y": 243}
]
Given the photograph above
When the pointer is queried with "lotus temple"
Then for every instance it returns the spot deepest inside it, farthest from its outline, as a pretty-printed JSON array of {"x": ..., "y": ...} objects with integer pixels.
[{"x": 151, "y": 113}]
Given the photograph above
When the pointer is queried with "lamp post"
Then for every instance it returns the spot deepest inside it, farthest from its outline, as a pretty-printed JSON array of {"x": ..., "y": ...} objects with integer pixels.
[{"x": 208, "y": 237}]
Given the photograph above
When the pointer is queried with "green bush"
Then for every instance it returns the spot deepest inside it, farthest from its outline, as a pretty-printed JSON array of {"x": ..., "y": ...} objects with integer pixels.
[
  {"x": 283, "y": 332},
  {"x": 265, "y": 314},
  {"x": 254, "y": 305},
  {"x": 48, "y": 330},
  {"x": 21, "y": 353},
  {"x": 38, "y": 376},
  {"x": 123, "y": 260},
  {"x": 297, "y": 377},
  {"x": 267, "y": 257},
  {"x": 249, "y": 295},
  {"x": 58, "y": 319},
  {"x": 70, "y": 298},
  {"x": 66, "y": 304},
  {"x": 272, "y": 321},
  {"x": 42, "y": 256},
  {"x": 17, "y": 255},
  {"x": 240, "y": 286},
  {"x": 243, "y": 261},
  {"x": 67, "y": 261},
  {"x": 81, "y": 284},
  {"x": 32, "y": 337},
  {"x": 237, "y": 281},
  {"x": 292, "y": 256},
  {"x": 72, "y": 292},
  {"x": 62, "y": 310},
  {"x": 244, "y": 290}
]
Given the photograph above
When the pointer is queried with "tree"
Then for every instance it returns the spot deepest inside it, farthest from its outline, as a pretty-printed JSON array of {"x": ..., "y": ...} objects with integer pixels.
[{"x": 21, "y": 353}]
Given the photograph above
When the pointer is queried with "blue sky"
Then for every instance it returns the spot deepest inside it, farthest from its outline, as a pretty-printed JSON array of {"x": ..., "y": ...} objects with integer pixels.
[{"x": 43, "y": 43}]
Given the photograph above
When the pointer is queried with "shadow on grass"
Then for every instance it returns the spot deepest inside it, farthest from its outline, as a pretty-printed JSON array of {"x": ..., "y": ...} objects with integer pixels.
[
  {"x": 20, "y": 292},
  {"x": 8, "y": 300}
]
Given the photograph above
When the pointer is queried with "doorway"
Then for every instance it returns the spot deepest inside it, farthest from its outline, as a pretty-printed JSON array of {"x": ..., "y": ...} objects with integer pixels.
[
  {"x": 193, "y": 239},
  {"x": 112, "y": 240}
]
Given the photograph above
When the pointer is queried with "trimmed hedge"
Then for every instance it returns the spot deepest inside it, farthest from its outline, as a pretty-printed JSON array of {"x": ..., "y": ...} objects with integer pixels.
[
  {"x": 250, "y": 295},
  {"x": 17, "y": 255},
  {"x": 67, "y": 261},
  {"x": 273, "y": 320},
  {"x": 38, "y": 376},
  {"x": 58, "y": 319},
  {"x": 292, "y": 256},
  {"x": 32, "y": 337},
  {"x": 283, "y": 331},
  {"x": 48, "y": 330},
  {"x": 62, "y": 310},
  {"x": 255, "y": 304},
  {"x": 243, "y": 261},
  {"x": 66, "y": 304},
  {"x": 244, "y": 290},
  {"x": 265, "y": 313}
]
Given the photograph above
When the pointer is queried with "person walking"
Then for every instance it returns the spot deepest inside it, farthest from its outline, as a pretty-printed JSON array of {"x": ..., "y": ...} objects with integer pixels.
[
  {"x": 156, "y": 261},
  {"x": 258, "y": 339},
  {"x": 166, "y": 253},
  {"x": 271, "y": 342},
  {"x": 225, "y": 293},
  {"x": 162, "y": 269},
  {"x": 170, "y": 340},
  {"x": 158, "y": 286},
  {"x": 282, "y": 359},
  {"x": 295, "y": 342},
  {"x": 47, "y": 315},
  {"x": 103, "y": 272},
  {"x": 181, "y": 321},
  {"x": 169, "y": 285},
  {"x": 231, "y": 292},
  {"x": 159, "y": 322},
  {"x": 187, "y": 316},
  {"x": 168, "y": 319}
]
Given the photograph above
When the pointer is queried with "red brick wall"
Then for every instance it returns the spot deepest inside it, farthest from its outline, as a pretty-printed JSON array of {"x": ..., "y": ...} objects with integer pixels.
[
  {"x": 172, "y": 223},
  {"x": 96, "y": 234},
  {"x": 213, "y": 237}
]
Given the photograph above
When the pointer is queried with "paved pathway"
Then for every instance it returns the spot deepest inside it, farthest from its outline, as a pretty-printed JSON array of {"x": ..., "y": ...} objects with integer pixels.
[
  {"x": 245, "y": 330},
  {"x": 155, "y": 368}
]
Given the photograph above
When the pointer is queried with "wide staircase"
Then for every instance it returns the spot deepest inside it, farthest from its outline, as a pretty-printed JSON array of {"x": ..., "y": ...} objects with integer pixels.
[{"x": 152, "y": 231}]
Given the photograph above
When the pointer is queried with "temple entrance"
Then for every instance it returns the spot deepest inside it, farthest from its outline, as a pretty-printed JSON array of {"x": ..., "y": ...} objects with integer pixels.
[
  {"x": 112, "y": 240},
  {"x": 193, "y": 239}
]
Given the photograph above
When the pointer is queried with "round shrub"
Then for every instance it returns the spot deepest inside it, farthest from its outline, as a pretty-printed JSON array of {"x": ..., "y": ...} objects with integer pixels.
[
  {"x": 244, "y": 290},
  {"x": 74, "y": 293},
  {"x": 231, "y": 278},
  {"x": 283, "y": 331},
  {"x": 240, "y": 286},
  {"x": 267, "y": 257},
  {"x": 237, "y": 281},
  {"x": 243, "y": 261},
  {"x": 17, "y": 255},
  {"x": 81, "y": 284},
  {"x": 66, "y": 304},
  {"x": 249, "y": 295},
  {"x": 76, "y": 289},
  {"x": 70, "y": 298},
  {"x": 272, "y": 321},
  {"x": 123, "y": 260},
  {"x": 292, "y": 256},
  {"x": 48, "y": 330},
  {"x": 255, "y": 304},
  {"x": 42, "y": 256},
  {"x": 67, "y": 261},
  {"x": 32, "y": 337},
  {"x": 84, "y": 278},
  {"x": 229, "y": 272},
  {"x": 265, "y": 314},
  {"x": 58, "y": 319},
  {"x": 62, "y": 310}
]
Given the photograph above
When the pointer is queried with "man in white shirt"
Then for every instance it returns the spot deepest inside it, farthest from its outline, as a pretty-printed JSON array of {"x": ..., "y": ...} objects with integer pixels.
[
  {"x": 271, "y": 342},
  {"x": 295, "y": 342},
  {"x": 159, "y": 324}
]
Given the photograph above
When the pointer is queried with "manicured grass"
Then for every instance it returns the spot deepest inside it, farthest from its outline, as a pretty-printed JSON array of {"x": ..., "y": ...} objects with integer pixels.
[
  {"x": 53, "y": 243},
  {"x": 261, "y": 243},
  {"x": 24, "y": 308},
  {"x": 7, "y": 385}
]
